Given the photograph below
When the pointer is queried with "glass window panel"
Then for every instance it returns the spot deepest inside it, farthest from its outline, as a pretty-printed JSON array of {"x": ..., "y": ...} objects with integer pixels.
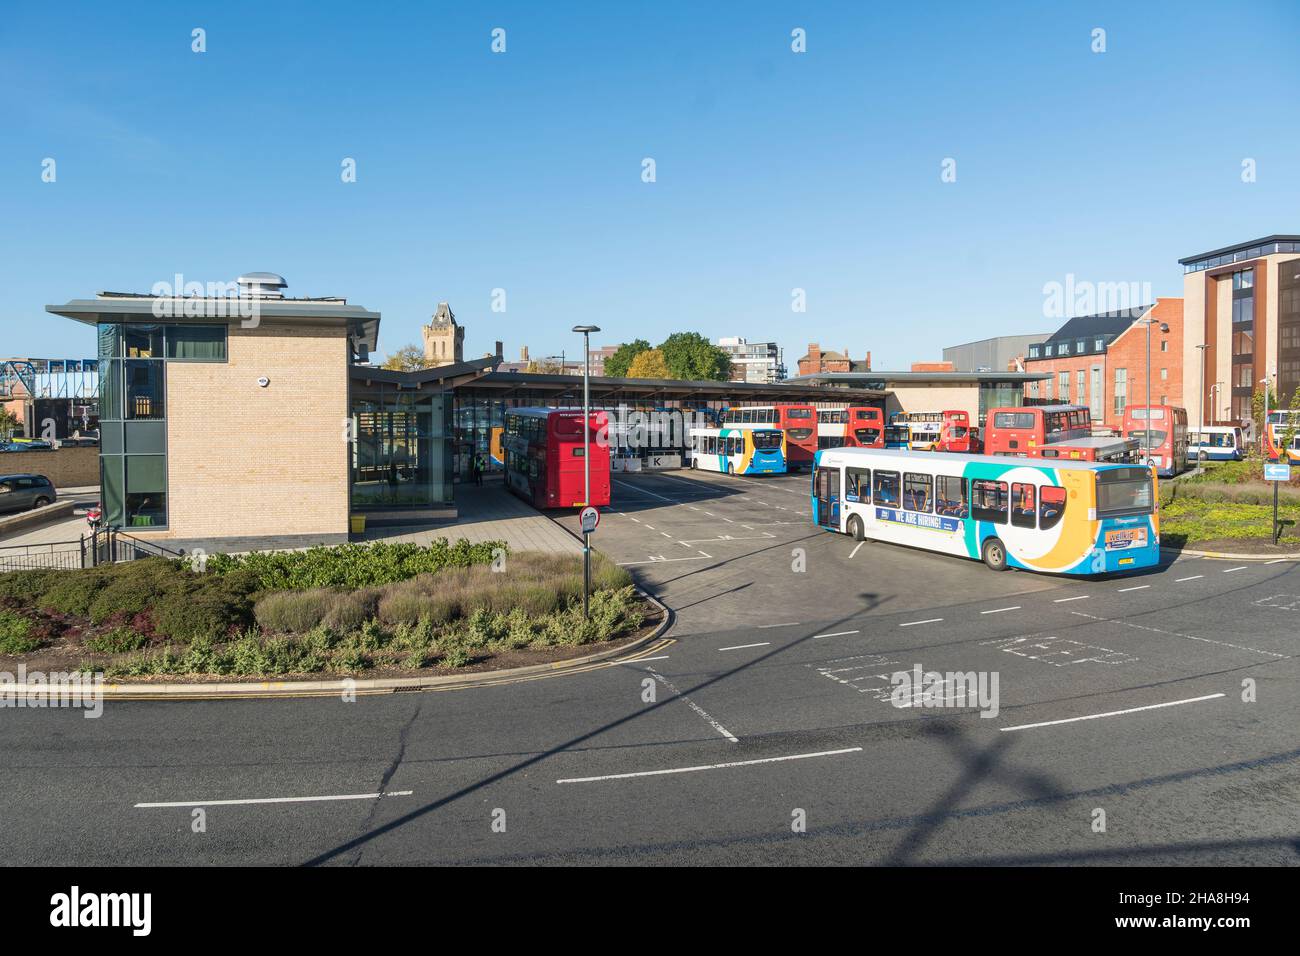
[
  {"x": 144, "y": 388},
  {"x": 110, "y": 340},
  {"x": 143, "y": 341},
  {"x": 113, "y": 487},
  {"x": 196, "y": 342}
]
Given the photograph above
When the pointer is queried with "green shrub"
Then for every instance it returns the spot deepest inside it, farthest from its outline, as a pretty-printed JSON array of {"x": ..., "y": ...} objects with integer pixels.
[
  {"x": 454, "y": 656},
  {"x": 16, "y": 635},
  {"x": 353, "y": 565},
  {"x": 28, "y": 585},
  {"x": 74, "y": 592},
  {"x": 117, "y": 641}
]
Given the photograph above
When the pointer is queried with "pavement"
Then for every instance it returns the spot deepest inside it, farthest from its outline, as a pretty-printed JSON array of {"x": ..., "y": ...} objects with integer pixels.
[{"x": 1141, "y": 719}]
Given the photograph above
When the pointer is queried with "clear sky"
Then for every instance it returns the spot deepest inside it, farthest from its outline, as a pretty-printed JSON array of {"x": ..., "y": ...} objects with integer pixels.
[{"x": 522, "y": 171}]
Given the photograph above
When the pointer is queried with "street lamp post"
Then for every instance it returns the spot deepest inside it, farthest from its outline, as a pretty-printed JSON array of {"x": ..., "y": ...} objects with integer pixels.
[
  {"x": 586, "y": 331},
  {"x": 1200, "y": 426},
  {"x": 1263, "y": 432},
  {"x": 1146, "y": 435}
]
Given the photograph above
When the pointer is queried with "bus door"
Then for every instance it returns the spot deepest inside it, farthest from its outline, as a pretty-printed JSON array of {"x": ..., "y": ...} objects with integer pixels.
[{"x": 828, "y": 497}]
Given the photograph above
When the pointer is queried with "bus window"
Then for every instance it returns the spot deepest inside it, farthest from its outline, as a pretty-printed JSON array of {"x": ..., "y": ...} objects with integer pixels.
[
  {"x": 1022, "y": 506},
  {"x": 1013, "y": 420},
  {"x": 916, "y": 492},
  {"x": 1124, "y": 491},
  {"x": 1051, "y": 505},
  {"x": 886, "y": 488},
  {"x": 989, "y": 501},
  {"x": 857, "y": 484},
  {"x": 950, "y": 496}
]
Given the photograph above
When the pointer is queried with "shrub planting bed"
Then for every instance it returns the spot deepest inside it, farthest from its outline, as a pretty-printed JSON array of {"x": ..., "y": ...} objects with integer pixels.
[
  {"x": 1229, "y": 507},
  {"x": 381, "y": 610}
]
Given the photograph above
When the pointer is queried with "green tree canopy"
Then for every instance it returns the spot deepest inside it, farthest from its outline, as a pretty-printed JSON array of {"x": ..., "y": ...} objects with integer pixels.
[
  {"x": 649, "y": 364},
  {"x": 691, "y": 356},
  {"x": 409, "y": 358},
  {"x": 617, "y": 364}
]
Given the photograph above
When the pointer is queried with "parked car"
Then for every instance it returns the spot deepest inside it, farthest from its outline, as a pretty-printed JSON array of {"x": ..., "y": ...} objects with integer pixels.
[
  {"x": 27, "y": 446},
  {"x": 21, "y": 492}
]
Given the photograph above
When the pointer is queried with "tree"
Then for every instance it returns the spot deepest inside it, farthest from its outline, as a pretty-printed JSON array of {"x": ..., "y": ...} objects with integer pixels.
[
  {"x": 649, "y": 364},
  {"x": 617, "y": 365},
  {"x": 546, "y": 366},
  {"x": 409, "y": 358},
  {"x": 8, "y": 424},
  {"x": 692, "y": 357}
]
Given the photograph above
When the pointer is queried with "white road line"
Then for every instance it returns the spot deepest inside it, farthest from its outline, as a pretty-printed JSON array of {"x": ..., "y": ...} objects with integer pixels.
[
  {"x": 786, "y": 624},
  {"x": 1194, "y": 577},
  {"x": 1140, "y": 587},
  {"x": 642, "y": 491},
  {"x": 1277, "y": 560},
  {"x": 694, "y": 706},
  {"x": 665, "y": 534},
  {"x": 711, "y": 766},
  {"x": 1189, "y": 637},
  {"x": 856, "y": 550},
  {"x": 1081, "y": 597},
  {"x": 818, "y": 637},
  {"x": 929, "y": 620},
  {"x": 661, "y": 657},
  {"x": 660, "y": 560},
  {"x": 999, "y": 610},
  {"x": 236, "y": 803},
  {"x": 1112, "y": 713},
  {"x": 709, "y": 513},
  {"x": 741, "y": 647},
  {"x": 1239, "y": 568},
  {"x": 650, "y": 527}
]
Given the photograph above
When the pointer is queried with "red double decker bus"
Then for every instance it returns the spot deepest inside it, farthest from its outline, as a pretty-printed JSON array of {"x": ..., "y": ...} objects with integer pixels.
[
  {"x": 544, "y": 456},
  {"x": 956, "y": 435},
  {"x": 1161, "y": 434},
  {"x": 1052, "y": 431},
  {"x": 865, "y": 428},
  {"x": 799, "y": 422}
]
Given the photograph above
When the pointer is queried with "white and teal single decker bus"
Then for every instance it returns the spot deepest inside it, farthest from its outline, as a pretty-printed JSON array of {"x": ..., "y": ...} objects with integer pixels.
[
  {"x": 1058, "y": 517},
  {"x": 739, "y": 450}
]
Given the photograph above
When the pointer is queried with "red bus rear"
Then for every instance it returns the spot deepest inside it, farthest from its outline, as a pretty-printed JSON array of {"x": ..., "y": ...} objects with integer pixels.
[
  {"x": 866, "y": 427},
  {"x": 544, "y": 456},
  {"x": 800, "y": 425},
  {"x": 955, "y": 434},
  {"x": 1051, "y": 431},
  {"x": 1166, "y": 444}
]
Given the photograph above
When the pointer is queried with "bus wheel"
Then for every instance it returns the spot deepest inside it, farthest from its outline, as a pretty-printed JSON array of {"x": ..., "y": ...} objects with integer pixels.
[
  {"x": 995, "y": 554},
  {"x": 855, "y": 527}
]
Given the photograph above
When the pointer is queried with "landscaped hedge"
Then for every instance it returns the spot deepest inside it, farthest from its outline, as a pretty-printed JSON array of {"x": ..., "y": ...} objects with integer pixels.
[{"x": 353, "y": 565}]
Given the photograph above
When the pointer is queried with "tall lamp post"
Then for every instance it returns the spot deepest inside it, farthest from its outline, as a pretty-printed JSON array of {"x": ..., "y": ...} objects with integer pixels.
[
  {"x": 1146, "y": 435},
  {"x": 1200, "y": 426},
  {"x": 586, "y": 331},
  {"x": 1263, "y": 432}
]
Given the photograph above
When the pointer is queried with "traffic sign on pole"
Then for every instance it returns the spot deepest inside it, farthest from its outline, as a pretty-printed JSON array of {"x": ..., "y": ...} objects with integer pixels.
[{"x": 589, "y": 518}]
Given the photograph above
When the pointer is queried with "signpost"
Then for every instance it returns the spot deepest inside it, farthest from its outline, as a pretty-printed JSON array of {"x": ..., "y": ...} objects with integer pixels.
[
  {"x": 590, "y": 519},
  {"x": 1276, "y": 472}
]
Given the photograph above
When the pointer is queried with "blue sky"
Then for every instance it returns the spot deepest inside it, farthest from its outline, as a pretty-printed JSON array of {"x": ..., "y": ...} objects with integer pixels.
[{"x": 522, "y": 170}]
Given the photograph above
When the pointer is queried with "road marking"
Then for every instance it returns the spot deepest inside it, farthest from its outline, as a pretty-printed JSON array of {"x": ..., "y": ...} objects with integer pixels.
[
  {"x": 253, "y": 800},
  {"x": 709, "y": 513},
  {"x": 999, "y": 610},
  {"x": 637, "y": 520},
  {"x": 710, "y": 766},
  {"x": 741, "y": 647},
  {"x": 929, "y": 620},
  {"x": 1081, "y": 597},
  {"x": 642, "y": 491},
  {"x": 1192, "y": 578},
  {"x": 1239, "y": 568},
  {"x": 786, "y": 624},
  {"x": 1140, "y": 587},
  {"x": 856, "y": 550},
  {"x": 694, "y": 706},
  {"x": 1277, "y": 560},
  {"x": 818, "y": 637},
  {"x": 665, "y": 534},
  {"x": 661, "y": 657},
  {"x": 1189, "y": 637},
  {"x": 660, "y": 559},
  {"x": 650, "y": 527},
  {"x": 1113, "y": 713}
]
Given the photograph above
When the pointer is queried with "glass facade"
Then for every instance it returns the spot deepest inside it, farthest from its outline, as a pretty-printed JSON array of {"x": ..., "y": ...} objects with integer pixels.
[
  {"x": 1241, "y": 254},
  {"x": 133, "y": 414},
  {"x": 400, "y": 458},
  {"x": 1243, "y": 342}
]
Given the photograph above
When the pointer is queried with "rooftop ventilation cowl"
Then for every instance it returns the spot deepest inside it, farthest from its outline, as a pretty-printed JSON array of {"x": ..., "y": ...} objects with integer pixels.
[{"x": 262, "y": 285}]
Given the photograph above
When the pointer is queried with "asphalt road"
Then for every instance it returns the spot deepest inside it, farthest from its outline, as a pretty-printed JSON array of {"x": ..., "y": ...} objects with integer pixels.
[{"x": 772, "y": 707}]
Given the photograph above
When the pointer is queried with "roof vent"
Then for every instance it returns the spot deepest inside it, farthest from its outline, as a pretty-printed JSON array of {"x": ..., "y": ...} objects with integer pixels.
[{"x": 262, "y": 285}]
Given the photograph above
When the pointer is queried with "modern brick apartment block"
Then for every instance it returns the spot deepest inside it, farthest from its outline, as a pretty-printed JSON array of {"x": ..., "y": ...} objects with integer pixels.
[
  {"x": 1243, "y": 303},
  {"x": 1101, "y": 361}
]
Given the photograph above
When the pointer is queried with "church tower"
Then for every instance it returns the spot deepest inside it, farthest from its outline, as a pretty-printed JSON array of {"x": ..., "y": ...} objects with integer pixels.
[{"x": 444, "y": 340}]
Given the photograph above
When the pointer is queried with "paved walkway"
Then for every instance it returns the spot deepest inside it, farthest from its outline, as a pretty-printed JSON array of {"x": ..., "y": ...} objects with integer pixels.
[{"x": 490, "y": 513}]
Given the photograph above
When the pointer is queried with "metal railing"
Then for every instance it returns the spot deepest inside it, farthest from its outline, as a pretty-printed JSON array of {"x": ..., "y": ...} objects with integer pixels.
[{"x": 102, "y": 546}]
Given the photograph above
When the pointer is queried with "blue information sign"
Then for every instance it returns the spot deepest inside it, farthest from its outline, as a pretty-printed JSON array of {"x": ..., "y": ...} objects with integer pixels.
[{"x": 1280, "y": 471}]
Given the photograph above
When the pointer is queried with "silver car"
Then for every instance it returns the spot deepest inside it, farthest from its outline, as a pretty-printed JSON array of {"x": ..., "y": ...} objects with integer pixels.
[{"x": 20, "y": 492}]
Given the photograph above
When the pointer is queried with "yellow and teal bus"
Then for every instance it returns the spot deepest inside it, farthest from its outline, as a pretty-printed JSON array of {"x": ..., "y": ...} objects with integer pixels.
[
  {"x": 739, "y": 451},
  {"x": 1059, "y": 517}
]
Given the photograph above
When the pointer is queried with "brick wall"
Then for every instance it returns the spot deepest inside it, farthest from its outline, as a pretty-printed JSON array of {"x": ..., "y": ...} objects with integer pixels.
[
  {"x": 66, "y": 467},
  {"x": 245, "y": 460},
  {"x": 1129, "y": 352}
]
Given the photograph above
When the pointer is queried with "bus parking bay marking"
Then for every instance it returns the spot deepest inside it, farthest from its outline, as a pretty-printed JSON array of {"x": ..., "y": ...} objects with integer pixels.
[
  {"x": 1059, "y": 651},
  {"x": 866, "y": 678},
  {"x": 1283, "y": 602}
]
